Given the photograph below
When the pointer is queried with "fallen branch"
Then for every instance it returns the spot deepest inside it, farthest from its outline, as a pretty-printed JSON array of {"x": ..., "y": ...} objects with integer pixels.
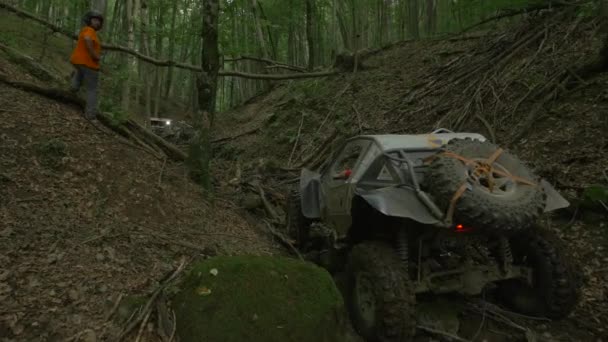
[
  {"x": 145, "y": 312},
  {"x": 53, "y": 93},
  {"x": 232, "y": 137},
  {"x": 442, "y": 333},
  {"x": 286, "y": 67},
  {"x": 358, "y": 117},
  {"x": 283, "y": 240},
  {"x": 114, "y": 308},
  {"x": 174, "y": 327},
  {"x": 269, "y": 209},
  {"x": 276, "y": 77},
  {"x": 142, "y": 326},
  {"x": 267, "y": 61},
  {"x": 70, "y": 98},
  {"x": 128, "y": 135},
  {"x": 165, "y": 63},
  {"x": 162, "y": 170},
  {"x": 33, "y": 67},
  {"x": 320, "y": 150},
  {"x": 295, "y": 144},
  {"x": 169, "y": 149},
  {"x": 512, "y": 13},
  {"x": 331, "y": 110}
]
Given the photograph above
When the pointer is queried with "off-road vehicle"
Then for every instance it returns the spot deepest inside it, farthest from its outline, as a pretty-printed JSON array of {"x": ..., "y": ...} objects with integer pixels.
[
  {"x": 177, "y": 132},
  {"x": 432, "y": 213}
]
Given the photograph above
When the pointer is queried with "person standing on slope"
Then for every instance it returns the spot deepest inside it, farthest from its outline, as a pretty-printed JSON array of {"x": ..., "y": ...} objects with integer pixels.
[{"x": 85, "y": 59}]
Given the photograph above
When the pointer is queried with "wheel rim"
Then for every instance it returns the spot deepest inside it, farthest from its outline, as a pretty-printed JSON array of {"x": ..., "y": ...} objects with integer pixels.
[
  {"x": 494, "y": 179},
  {"x": 364, "y": 303}
]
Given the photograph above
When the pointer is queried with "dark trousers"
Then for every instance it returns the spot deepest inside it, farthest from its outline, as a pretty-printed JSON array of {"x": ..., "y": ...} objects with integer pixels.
[{"x": 90, "y": 77}]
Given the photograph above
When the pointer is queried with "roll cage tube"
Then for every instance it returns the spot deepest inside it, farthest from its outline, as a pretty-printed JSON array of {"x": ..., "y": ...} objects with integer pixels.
[{"x": 422, "y": 196}]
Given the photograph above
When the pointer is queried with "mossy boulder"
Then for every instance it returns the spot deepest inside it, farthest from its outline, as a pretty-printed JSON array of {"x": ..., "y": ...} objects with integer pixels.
[
  {"x": 595, "y": 197},
  {"x": 260, "y": 298}
]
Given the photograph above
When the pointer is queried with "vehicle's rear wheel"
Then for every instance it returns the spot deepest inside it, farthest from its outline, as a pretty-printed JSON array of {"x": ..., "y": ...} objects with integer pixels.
[
  {"x": 554, "y": 290},
  {"x": 380, "y": 295},
  {"x": 503, "y": 194},
  {"x": 298, "y": 226}
]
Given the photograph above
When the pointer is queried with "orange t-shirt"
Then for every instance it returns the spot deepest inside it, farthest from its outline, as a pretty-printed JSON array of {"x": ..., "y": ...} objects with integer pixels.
[{"x": 81, "y": 55}]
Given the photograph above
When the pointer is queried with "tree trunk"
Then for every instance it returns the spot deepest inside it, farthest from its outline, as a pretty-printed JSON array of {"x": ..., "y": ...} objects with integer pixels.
[
  {"x": 258, "y": 29},
  {"x": 413, "y": 19},
  {"x": 309, "y": 34},
  {"x": 200, "y": 149},
  {"x": 145, "y": 42},
  {"x": 271, "y": 40},
  {"x": 171, "y": 48},
  {"x": 159, "y": 54},
  {"x": 431, "y": 17},
  {"x": 126, "y": 86},
  {"x": 99, "y": 6}
]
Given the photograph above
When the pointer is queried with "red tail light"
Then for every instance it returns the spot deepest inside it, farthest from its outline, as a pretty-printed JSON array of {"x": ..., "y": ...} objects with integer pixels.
[{"x": 459, "y": 228}]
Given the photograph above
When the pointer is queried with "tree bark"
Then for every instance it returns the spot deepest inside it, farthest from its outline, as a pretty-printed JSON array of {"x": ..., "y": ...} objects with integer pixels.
[
  {"x": 99, "y": 5},
  {"x": 126, "y": 86},
  {"x": 413, "y": 19},
  {"x": 258, "y": 29},
  {"x": 200, "y": 149},
  {"x": 160, "y": 73},
  {"x": 431, "y": 17},
  {"x": 271, "y": 40},
  {"x": 159, "y": 62},
  {"x": 171, "y": 48},
  {"x": 145, "y": 43},
  {"x": 310, "y": 9}
]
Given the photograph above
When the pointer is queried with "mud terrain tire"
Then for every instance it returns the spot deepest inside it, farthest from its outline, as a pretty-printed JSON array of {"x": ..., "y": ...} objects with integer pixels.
[
  {"x": 513, "y": 206},
  {"x": 298, "y": 225},
  {"x": 376, "y": 274},
  {"x": 554, "y": 286}
]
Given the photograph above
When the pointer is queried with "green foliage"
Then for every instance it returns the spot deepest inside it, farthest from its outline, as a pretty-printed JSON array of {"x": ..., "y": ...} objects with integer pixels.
[
  {"x": 129, "y": 306},
  {"x": 589, "y": 9},
  {"x": 52, "y": 153},
  {"x": 117, "y": 115},
  {"x": 265, "y": 298},
  {"x": 595, "y": 197}
]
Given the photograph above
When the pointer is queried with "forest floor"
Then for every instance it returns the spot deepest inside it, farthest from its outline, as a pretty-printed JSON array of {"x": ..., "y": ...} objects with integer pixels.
[
  {"x": 84, "y": 217},
  {"x": 493, "y": 84}
]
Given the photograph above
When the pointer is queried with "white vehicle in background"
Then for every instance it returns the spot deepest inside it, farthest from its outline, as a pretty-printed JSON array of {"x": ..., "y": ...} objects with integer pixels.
[
  {"x": 178, "y": 132},
  {"x": 160, "y": 123}
]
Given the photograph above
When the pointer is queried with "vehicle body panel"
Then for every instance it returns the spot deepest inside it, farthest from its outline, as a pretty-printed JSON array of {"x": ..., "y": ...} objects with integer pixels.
[{"x": 382, "y": 178}]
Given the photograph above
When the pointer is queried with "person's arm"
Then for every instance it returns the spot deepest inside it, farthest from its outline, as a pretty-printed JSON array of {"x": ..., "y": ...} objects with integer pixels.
[{"x": 89, "y": 44}]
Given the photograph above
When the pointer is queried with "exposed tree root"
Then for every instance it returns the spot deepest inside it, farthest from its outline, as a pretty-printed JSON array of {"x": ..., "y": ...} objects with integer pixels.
[{"x": 147, "y": 309}]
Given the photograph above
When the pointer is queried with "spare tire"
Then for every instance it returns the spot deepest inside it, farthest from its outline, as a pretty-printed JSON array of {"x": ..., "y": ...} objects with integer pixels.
[{"x": 505, "y": 203}]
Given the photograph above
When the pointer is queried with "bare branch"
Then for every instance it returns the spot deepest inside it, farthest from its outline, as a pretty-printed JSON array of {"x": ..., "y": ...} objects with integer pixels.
[
  {"x": 166, "y": 63},
  {"x": 265, "y": 60},
  {"x": 277, "y": 77}
]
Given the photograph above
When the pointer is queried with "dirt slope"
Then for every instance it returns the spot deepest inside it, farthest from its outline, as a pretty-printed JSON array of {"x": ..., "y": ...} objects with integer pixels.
[
  {"x": 85, "y": 216},
  {"x": 407, "y": 89}
]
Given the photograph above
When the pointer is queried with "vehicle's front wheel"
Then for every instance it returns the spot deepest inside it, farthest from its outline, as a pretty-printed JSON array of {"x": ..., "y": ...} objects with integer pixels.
[
  {"x": 554, "y": 289},
  {"x": 298, "y": 225},
  {"x": 380, "y": 295}
]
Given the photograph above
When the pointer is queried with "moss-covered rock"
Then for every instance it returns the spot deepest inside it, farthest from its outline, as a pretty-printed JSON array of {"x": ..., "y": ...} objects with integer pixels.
[
  {"x": 594, "y": 196},
  {"x": 251, "y": 298}
]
